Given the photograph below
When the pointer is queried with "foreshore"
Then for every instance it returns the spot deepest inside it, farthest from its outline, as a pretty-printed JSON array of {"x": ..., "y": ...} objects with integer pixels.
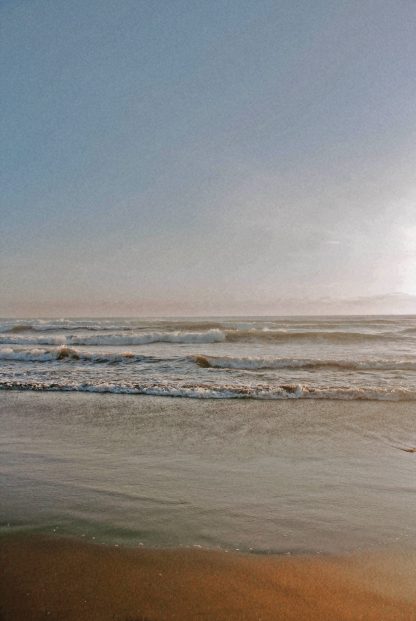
[
  {"x": 65, "y": 579},
  {"x": 324, "y": 481}
]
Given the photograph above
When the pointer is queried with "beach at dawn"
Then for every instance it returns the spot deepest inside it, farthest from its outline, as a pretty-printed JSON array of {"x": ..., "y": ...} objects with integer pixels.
[{"x": 208, "y": 311}]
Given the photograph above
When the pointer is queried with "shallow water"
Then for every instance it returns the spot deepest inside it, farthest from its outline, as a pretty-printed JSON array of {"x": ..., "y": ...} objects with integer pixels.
[{"x": 281, "y": 476}]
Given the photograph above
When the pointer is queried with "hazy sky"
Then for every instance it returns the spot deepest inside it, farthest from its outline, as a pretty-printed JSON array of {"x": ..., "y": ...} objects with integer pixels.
[{"x": 207, "y": 156}]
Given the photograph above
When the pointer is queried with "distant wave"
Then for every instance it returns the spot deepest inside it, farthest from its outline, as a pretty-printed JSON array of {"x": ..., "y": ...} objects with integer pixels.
[
  {"x": 408, "y": 330},
  {"x": 97, "y": 326},
  {"x": 144, "y": 338},
  {"x": 213, "y": 335},
  {"x": 32, "y": 340},
  {"x": 235, "y": 329},
  {"x": 256, "y": 362},
  {"x": 221, "y": 391},
  {"x": 304, "y": 335},
  {"x": 58, "y": 326}
]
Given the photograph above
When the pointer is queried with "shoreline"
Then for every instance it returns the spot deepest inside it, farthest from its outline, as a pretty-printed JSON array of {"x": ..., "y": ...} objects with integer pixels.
[
  {"x": 61, "y": 578},
  {"x": 289, "y": 475}
]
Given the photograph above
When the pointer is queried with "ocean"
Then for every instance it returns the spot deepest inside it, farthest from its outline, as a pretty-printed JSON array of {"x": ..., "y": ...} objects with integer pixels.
[
  {"x": 252, "y": 358},
  {"x": 297, "y": 438}
]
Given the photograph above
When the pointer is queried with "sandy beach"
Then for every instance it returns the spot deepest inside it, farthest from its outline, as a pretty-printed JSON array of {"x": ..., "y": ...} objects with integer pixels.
[
  {"x": 45, "y": 578},
  {"x": 208, "y": 310},
  {"x": 127, "y": 508}
]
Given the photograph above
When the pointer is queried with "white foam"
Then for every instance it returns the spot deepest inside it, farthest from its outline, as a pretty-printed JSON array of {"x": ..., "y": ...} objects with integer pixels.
[
  {"x": 32, "y": 340},
  {"x": 65, "y": 353},
  {"x": 206, "y": 391},
  {"x": 145, "y": 338},
  {"x": 27, "y": 355}
]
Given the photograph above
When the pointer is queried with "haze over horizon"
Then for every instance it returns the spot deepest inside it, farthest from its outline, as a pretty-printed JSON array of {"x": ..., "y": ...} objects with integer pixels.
[
  {"x": 190, "y": 158},
  {"x": 389, "y": 304}
]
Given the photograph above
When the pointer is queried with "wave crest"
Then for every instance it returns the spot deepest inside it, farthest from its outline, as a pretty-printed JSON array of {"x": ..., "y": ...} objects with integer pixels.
[
  {"x": 66, "y": 353},
  {"x": 290, "y": 335},
  {"x": 256, "y": 362},
  {"x": 144, "y": 338}
]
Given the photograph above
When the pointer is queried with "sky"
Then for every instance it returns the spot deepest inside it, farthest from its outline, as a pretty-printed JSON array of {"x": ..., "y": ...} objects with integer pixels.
[{"x": 184, "y": 157}]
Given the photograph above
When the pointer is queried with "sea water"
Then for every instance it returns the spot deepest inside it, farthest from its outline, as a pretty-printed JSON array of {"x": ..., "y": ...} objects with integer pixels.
[
  {"x": 255, "y": 358},
  {"x": 300, "y": 439}
]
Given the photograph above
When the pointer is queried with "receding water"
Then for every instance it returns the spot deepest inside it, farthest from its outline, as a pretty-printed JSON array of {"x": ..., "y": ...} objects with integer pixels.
[{"x": 291, "y": 475}]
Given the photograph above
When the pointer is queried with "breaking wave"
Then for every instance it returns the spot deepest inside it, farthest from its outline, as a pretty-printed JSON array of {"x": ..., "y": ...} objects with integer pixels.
[
  {"x": 253, "y": 363},
  {"x": 208, "y": 336},
  {"x": 144, "y": 338},
  {"x": 32, "y": 340},
  {"x": 214, "y": 335},
  {"x": 249, "y": 363},
  {"x": 65, "y": 353},
  {"x": 221, "y": 391},
  {"x": 252, "y": 358}
]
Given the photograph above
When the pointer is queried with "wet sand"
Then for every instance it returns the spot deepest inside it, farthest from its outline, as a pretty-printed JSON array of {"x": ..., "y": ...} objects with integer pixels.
[{"x": 64, "y": 579}]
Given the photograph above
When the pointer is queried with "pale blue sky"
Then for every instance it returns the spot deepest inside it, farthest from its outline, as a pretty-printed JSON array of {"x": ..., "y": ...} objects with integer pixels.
[{"x": 206, "y": 157}]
